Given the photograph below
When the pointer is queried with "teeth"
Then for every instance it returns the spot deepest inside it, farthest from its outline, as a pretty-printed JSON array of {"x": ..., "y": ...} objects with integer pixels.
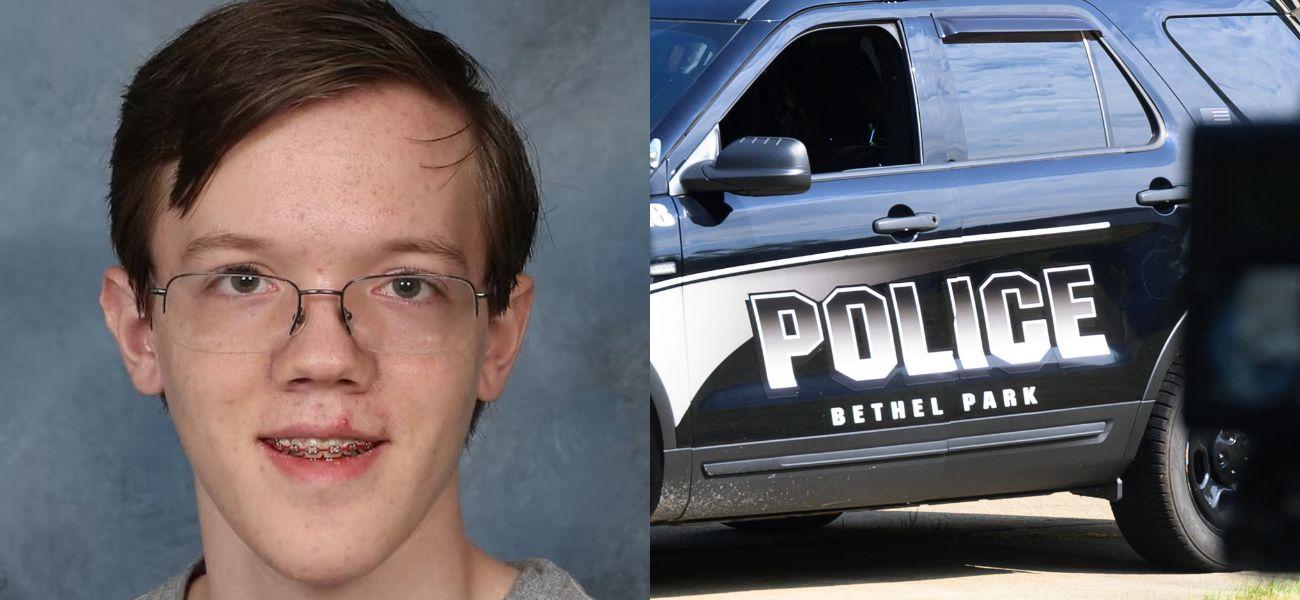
[{"x": 322, "y": 449}]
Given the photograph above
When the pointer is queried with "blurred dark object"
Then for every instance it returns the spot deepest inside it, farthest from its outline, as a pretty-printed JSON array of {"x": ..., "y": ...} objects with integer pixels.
[{"x": 1243, "y": 335}]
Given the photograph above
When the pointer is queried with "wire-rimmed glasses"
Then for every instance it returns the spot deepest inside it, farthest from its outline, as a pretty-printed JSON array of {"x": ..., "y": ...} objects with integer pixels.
[{"x": 233, "y": 312}]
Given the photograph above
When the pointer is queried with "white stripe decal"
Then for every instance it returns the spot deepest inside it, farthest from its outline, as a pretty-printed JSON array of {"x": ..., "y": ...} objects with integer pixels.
[{"x": 839, "y": 254}]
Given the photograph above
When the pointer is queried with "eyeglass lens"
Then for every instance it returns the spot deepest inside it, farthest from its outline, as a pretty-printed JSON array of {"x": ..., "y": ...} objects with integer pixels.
[{"x": 246, "y": 313}]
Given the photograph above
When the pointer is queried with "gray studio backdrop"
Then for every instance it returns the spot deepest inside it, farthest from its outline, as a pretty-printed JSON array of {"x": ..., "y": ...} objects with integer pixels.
[{"x": 96, "y": 498}]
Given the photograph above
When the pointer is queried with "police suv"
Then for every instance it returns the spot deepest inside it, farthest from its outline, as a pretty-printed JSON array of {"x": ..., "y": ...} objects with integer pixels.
[{"x": 933, "y": 250}]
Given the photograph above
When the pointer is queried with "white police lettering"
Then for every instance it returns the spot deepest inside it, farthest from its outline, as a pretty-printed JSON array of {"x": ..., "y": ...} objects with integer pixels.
[
  {"x": 854, "y": 324},
  {"x": 972, "y": 403}
]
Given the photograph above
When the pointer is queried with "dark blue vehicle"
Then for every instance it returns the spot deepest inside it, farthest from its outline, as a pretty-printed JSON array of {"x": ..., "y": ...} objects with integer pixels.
[{"x": 933, "y": 250}]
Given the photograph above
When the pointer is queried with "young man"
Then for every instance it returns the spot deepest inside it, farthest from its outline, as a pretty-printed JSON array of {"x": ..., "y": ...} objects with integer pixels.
[{"x": 322, "y": 221}]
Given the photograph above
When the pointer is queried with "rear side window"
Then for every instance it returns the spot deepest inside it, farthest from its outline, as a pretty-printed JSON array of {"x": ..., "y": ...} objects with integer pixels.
[
  {"x": 1252, "y": 60},
  {"x": 1028, "y": 94},
  {"x": 1130, "y": 122}
]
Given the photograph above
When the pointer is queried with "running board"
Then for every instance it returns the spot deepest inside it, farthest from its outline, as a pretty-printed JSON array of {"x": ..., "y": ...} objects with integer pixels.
[{"x": 906, "y": 451}]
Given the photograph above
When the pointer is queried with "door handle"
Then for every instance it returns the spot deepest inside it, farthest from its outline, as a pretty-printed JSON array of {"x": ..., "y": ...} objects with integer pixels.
[
  {"x": 910, "y": 224},
  {"x": 1179, "y": 194}
]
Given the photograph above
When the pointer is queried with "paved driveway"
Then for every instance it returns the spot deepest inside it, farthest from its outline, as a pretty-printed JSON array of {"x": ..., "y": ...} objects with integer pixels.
[{"x": 1058, "y": 546}]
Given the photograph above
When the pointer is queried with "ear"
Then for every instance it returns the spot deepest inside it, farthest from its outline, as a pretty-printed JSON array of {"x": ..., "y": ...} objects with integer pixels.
[
  {"x": 133, "y": 334},
  {"x": 505, "y": 338}
]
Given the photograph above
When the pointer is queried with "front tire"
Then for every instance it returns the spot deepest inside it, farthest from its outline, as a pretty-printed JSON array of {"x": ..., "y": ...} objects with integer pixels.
[
  {"x": 656, "y": 460},
  {"x": 1159, "y": 513}
]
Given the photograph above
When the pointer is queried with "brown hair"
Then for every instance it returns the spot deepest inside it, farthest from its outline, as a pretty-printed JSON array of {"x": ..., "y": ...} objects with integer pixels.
[{"x": 244, "y": 63}]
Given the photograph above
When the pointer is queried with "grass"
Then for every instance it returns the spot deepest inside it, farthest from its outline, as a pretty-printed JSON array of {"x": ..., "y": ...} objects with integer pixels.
[{"x": 1271, "y": 589}]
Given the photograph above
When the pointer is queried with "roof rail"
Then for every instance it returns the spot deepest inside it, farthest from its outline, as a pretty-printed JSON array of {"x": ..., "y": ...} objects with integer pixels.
[{"x": 752, "y": 10}]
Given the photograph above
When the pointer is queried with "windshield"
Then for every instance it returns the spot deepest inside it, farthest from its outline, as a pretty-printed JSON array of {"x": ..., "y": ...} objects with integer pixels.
[{"x": 679, "y": 52}]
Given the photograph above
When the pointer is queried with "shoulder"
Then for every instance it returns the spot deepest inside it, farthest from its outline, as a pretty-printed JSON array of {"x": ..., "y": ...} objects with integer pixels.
[
  {"x": 542, "y": 579},
  {"x": 174, "y": 588}
]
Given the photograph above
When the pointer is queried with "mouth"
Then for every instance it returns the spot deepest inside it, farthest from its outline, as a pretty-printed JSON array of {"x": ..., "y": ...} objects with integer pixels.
[
  {"x": 316, "y": 453},
  {"x": 323, "y": 461},
  {"x": 320, "y": 449}
]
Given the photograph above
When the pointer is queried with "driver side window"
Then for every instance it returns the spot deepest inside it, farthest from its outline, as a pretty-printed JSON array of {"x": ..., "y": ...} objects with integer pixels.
[{"x": 844, "y": 92}]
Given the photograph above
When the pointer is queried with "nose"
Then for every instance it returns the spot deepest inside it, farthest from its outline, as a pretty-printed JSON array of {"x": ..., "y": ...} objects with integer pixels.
[{"x": 321, "y": 353}]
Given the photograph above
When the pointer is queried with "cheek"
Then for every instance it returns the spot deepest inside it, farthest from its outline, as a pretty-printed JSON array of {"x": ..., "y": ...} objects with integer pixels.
[
  {"x": 210, "y": 396},
  {"x": 431, "y": 392}
]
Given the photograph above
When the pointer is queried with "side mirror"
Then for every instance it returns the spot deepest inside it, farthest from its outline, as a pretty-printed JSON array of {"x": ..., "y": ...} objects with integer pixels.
[{"x": 753, "y": 166}]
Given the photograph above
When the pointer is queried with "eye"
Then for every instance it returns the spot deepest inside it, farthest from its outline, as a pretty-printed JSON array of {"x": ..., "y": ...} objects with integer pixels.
[
  {"x": 408, "y": 287},
  {"x": 413, "y": 288},
  {"x": 239, "y": 284}
]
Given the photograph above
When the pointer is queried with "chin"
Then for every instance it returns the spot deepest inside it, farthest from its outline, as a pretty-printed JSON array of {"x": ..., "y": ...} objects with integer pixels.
[
  {"x": 322, "y": 569},
  {"x": 325, "y": 562},
  {"x": 324, "y": 549}
]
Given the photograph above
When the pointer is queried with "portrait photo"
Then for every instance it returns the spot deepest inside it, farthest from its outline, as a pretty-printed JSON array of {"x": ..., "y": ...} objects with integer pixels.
[{"x": 323, "y": 299}]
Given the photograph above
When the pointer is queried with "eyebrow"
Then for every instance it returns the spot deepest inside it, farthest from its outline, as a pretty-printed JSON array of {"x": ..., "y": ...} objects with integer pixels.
[
  {"x": 435, "y": 246},
  {"x": 202, "y": 245}
]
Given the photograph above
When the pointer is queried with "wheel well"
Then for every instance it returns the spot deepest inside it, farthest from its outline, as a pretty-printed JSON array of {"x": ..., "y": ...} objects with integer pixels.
[
  {"x": 663, "y": 414},
  {"x": 1168, "y": 354},
  {"x": 656, "y": 459}
]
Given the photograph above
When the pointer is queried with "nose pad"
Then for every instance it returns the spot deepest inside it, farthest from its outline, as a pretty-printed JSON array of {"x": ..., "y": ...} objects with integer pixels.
[
  {"x": 299, "y": 320},
  {"x": 347, "y": 317}
]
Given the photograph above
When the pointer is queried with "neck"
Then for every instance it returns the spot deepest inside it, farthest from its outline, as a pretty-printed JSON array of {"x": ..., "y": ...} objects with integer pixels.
[{"x": 437, "y": 561}]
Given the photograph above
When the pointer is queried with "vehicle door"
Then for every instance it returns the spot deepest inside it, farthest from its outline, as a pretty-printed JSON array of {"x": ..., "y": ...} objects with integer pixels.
[
  {"x": 1071, "y": 194},
  {"x": 818, "y": 340}
]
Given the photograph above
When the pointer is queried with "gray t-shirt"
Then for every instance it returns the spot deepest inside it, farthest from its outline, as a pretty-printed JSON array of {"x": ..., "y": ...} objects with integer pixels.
[{"x": 539, "y": 579}]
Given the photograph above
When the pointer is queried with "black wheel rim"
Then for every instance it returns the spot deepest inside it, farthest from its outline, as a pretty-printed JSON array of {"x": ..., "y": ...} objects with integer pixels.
[{"x": 1215, "y": 459}]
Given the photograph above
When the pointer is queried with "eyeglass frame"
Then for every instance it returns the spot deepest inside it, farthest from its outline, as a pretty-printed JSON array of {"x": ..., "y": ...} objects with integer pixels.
[{"x": 299, "y": 318}]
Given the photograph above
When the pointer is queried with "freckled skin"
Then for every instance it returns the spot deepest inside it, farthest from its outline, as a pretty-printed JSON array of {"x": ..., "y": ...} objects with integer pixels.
[{"x": 328, "y": 182}]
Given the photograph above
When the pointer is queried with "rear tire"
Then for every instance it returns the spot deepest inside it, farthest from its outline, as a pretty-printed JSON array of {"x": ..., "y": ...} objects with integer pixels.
[
  {"x": 785, "y": 524},
  {"x": 1157, "y": 513}
]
